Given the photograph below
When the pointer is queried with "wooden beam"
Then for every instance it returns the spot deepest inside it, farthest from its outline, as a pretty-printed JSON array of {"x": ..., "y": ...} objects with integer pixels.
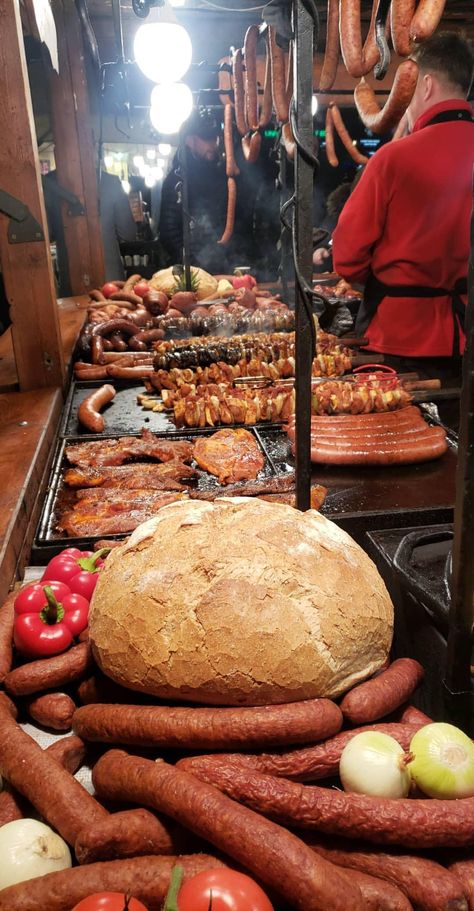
[
  {"x": 75, "y": 154},
  {"x": 26, "y": 267}
]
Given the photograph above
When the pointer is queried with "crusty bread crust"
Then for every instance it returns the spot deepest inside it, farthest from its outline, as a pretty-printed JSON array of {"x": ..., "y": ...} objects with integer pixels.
[{"x": 240, "y": 602}]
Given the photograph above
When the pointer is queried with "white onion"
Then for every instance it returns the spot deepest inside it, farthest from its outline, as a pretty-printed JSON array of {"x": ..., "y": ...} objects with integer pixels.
[
  {"x": 374, "y": 763},
  {"x": 443, "y": 761},
  {"x": 29, "y": 848}
]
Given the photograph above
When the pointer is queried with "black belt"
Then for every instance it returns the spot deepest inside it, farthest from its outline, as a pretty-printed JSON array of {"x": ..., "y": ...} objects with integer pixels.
[{"x": 375, "y": 291}]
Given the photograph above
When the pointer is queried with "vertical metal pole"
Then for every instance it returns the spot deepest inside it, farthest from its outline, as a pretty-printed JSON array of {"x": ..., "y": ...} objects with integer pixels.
[
  {"x": 461, "y": 617},
  {"x": 185, "y": 213},
  {"x": 286, "y": 261},
  {"x": 303, "y": 81}
]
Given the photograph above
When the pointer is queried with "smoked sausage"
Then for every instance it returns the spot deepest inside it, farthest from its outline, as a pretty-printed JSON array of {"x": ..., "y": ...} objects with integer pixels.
[
  {"x": 383, "y": 694},
  {"x": 231, "y": 168},
  {"x": 288, "y": 140},
  {"x": 250, "y": 83},
  {"x": 88, "y": 372},
  {"x": 464, "y": 871},
  {"x": 276, "y": 856},
  {"x": 146, "y": 878},
  {"x": 330, "y": 146},
  {"x": 126, "y": 834},
  {"x": 415, "y": 824},
  {"x": 97, "y": 349},
  {"x": 7, "y": 616},
  {"x": 426, "y": 19},
  {"x": 307, "y": 763},
  {"x": 401, "y": 14},
  {"x": 115, "y": 325},
  {"x": 127, "y": 297},
  {"x": 377, "y": 894},
  {"x": 331, "y": 52},
  {"x": 231, "y": 201},
  {"x": 345, "y": 138},
  {"x": 88, "y": 412},
  {"x": 277, "y": 70},
  {"x": 382, "y": 120},
  {"x": 358, "y": 59},
  {"x": 48, "y": 673},
  {"x": 428, "y": 885},
  {"x": 430, "y": 445},
  {"x": 251, "y": 144},
  {"x": 117, "y": 371},
  {"x": 412, "y": 715},
  {"x": 209, "y": 728},
  {"x": 266, "y": 106},
  {"x": 239, "y": 93},
  {"x": 52, "y": 710},
  {"x": 63, "y": 802}
]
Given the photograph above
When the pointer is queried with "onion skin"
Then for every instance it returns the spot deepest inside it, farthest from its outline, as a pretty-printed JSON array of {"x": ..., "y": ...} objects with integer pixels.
[
  {"x": 375, "y": 764},
  {"x": 443, "y": 761},
  {"x": 29, "y": 848}
]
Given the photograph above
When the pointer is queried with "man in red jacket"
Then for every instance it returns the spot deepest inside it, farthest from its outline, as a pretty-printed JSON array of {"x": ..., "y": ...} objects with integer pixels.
[{"x": 404, "y": 232}]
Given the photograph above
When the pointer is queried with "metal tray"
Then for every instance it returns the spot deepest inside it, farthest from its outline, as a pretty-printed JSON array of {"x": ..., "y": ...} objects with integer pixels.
[
  {"x": 49, "y": 542},
  {"x": 124, "y": 416}
]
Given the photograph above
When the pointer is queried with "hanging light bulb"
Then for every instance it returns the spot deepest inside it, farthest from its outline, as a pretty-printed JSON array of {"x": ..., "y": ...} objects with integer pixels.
[
  {"x": 171, "y": 105},
  {"x": 150, "y": 181},
  {"x": 138, "y": 161},
  {"x": 314, "y": 105},
  {"x": 151, "y": 154},
  {"x": 163, "y": 51},
  {"x": 164, "y": 148}
]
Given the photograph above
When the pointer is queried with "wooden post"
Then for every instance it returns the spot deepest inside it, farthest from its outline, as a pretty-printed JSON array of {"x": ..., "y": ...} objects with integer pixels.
[
  {"x": 26, "y": 267},
  {"x": 74, "y": 152}
]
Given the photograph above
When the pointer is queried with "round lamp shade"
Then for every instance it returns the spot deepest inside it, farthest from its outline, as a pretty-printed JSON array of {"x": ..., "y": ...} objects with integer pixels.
[
  {"x": 163, "y": 51},
  {"x": 171, "y": 105}
]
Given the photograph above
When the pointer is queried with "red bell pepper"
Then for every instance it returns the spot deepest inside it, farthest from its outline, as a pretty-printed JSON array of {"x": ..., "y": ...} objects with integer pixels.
[
  {"x": 47, "y": 618},
  {"x": 244, "y": 281},
  {"x": 77, "y": 568}
]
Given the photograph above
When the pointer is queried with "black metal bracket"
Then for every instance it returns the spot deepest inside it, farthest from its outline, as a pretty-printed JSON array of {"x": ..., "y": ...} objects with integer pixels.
[
  {"x": 53, "y": 188},
  {"x": 23, "y": 227}
]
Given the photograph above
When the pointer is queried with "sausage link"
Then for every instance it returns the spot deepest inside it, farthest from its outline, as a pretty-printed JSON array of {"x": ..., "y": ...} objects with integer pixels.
[
  {"x": 266, "y": 106},
  {"x": 415, "y": 824},
  {"x": 464, "y": 871},
  {"x": 358, "y": 59},
  {"x": 118, "y": 342},
  {"x": 130, "y": 833},
  {"x": 345, "y": 137},
  {"x": 127, "y": 297},
  {"x": 239, "y": 93},
  {"x": 377, "y": 894},
  {"x": 54, "y": 793},
  {"x": 209, "y": 728},
  {"x": 428, "y": 885},
  {"x": 136, "y": 344},
  {"x": 383, "y": 694},
  {"x": 48, "y": 673},
  {"x": 117, "y": 371},
  {"x": 231, "y": 168},
  {"x": 330, "y": 146},
  {"x": 331, "y": 52},
  {"x": 308, "y": 763},
  {"x": 130, "y": 282},
  {"x": 99, "y": 688},
  {"x": 96, "y": 295},
  {"x": 97, "y": 349},
  {"x": 250, "y": 63},
  {"x": 151, "y": 335},
  {"x": 86, "y": 372},
  {"x": 412, "y": 715},
  {"x": 426, "y": 19},
  {"x": 288, "y": 140},
  {"x": 52, "y": 710},
  {"x": 7, "y": 616},
  {"x": 382, "y": 120},
  {"x": 251, "y": 145},
  {"x": 430, "y": 446},
  {"x": 115, "y": 325},
  {"x": 276, "y": 856},
  {"x": 277, "y": 70},
  {"x": 69, "y": 752},
  {"x": 401, "y": 15},
  {"x": 231, "y": 201},
  {"x": 88, "y": 412},
  {"x": 146, "y": 878}
]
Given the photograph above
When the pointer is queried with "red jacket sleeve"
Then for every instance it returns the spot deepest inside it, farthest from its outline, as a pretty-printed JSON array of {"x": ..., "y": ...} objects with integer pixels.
[{"x": 361, "y": 223}]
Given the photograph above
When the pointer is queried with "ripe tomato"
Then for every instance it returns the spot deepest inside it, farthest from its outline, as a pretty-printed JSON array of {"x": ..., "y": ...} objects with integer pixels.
[
  {"x": 141, "y": 288},
  {"x": 109, "y": 901},
  {"x": 231, "y": 891},
  {"x": 108, "y": 289}
]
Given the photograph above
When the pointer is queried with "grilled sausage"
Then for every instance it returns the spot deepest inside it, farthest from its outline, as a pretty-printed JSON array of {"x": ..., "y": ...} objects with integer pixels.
[
  {"x": 308, "y": 763},
  {"x": 278, "y": 858},
  {"x": 115, "y": 325},
  {"x": 48, "y": 673},
  {"x": 231, "y": 168},
  {"x": 127, "y": 297},
  {"x": 52, "y": 710},
  {"x": 250, "y": 83},
  {"x": 331, "y": 52},
  {"x": 231, "y": 201},
  {"x": 415, "y": 824},
  {"x": 345, "y": 138},
  {"x": 277, "y": 70},
  {"x": 7, "y": 616},
  {"x": 382, "y": 120},
  {"x": 88, "y": 412},
  {"x": 431, "y": 445},
  {"x": 96, "y": 295},
  {"x": 209, "y": 728},
  {"x": 428, "y": 885},
  {"x": 330, "y": 146},
  {"x": 401, "y": 14},
  {"x": 97, "y": 349},
  {"x": 146, "y": 878},
  {"x": 130, "y": 833},
  {"x": 239, "y": 94},
  {"x": 426, "y": 19},
  {"x": 63, "y": 802},
  {"x": 88, "y": 372},
  {"x": 383, "y": 694},
  {"x": 139, "y": 371}
]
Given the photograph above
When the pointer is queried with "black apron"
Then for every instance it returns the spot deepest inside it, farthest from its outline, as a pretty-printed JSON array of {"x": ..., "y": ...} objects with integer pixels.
[{"x": 376, "y": 290}]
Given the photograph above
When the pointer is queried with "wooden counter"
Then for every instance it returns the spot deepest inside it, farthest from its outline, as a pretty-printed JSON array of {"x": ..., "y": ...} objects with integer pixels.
[{"x": 28, "y": 424}]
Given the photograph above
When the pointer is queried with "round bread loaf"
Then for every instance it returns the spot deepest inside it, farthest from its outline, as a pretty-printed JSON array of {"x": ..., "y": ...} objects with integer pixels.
[{"x": 239, "y": 602}]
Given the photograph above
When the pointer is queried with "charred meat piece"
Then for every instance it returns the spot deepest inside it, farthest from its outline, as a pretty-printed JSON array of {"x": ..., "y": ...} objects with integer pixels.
[
  {"x": 158, "y": 477},
  {"x": 231, "y": 455},
  {"x": 100, "y": 453}
]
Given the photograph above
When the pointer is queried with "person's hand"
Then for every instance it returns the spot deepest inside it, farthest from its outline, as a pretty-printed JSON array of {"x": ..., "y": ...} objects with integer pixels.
[{"x": 319, "y": 255}]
